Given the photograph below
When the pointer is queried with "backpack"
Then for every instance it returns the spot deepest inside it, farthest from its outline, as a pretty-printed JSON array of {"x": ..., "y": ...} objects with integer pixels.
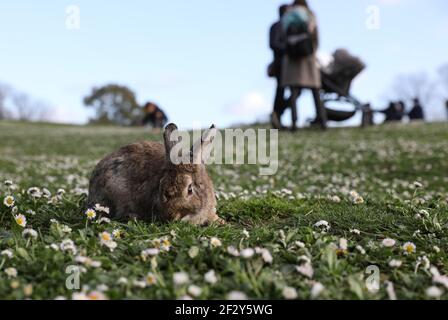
[{"x": 299, "y": 42}]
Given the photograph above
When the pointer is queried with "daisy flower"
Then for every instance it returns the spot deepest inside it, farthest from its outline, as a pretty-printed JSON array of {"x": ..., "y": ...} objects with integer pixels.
[
  {"x": 9, "y": 201},
  {"x": 266, "y": 256},
  {"x": 236, "y": 295},
  {"x": 91, "y": 214},
  {"x": 11, "y": 272},
  {"x": 68, "y": 245},
  {"x": 215, "y": 242},
  {"x": 150, "y": 279},
  {"x": 103, "y": 220},
  {"x": 300, "y": 244},
  {"x": 434, "y": 292},
  {"x": 418, "y": 185},
  {"x": 194, "y": 290},
  {"x": 317, "y": 289},
  {"x": 323, "y": 225},
  {"x": 289, "y": 293},
  {"x": 20, "y": 220},
  {"x": 247, "y": 253},
  {"x": 180, "y": 278},
  {"x": 306, "y": 269},
  {"x": 34, "y": 192},
  {"x": 105, "y": 236},
  {"x": 360, "y": 249},
  {"x": 193, "y": 252},
  {"x": 7, "y": 253},
  {"x": 388, "y": 242},
  {"x": 165, "y": 244},
  {"x": 29, "y": 233},
  {"x": 394, "y": 263},
  {"x": 106, "y": 240},
  {"x": 96, "y": 295},
  {"x": 100, "y": 208},
  {"x": 409, "y": 248},
  {"x": 117, "y": 233},
  {"x": 151, "y": 252},
  {"x": 210, "y": 277},
  {"x": 233, "y": 251}
]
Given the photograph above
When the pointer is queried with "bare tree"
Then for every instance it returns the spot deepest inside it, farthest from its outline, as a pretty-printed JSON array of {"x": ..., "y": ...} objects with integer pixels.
[
  {"x": 443, "y": 73},
  {"x": 20, "y": 106},
  {"x": 418, "y": 85},
  {"x": 23, "y": 106},
  {"x": 4, "y": 92}
]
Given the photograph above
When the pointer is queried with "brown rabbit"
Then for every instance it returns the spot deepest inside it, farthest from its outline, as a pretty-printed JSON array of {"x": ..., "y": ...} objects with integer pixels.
[{"x": 140, "y": 180}]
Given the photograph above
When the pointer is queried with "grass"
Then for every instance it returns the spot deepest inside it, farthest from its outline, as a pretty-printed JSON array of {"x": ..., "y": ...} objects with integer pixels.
[{"x": 317, "y": 175}]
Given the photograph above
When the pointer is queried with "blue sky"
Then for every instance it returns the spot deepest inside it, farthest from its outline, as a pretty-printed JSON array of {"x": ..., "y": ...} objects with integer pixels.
[{"x": 203, "y": 60}]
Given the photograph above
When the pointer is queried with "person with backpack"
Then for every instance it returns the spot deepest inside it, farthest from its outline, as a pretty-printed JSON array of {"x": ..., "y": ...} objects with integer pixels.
[
  {"x": 299, "y": 66},
  {"x": 153, "y": 116},
  {"x": 275, "y": 68}
]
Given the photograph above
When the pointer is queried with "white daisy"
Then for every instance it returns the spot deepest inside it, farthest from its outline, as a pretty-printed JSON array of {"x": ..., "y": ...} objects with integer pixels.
[
  {"x": 7, "y": 253},
  {"x": 194, "y": 290},
  {"x": 210, "y": 277},
  {"x": 9, "y": 201},
  {"x": 409, "y": 248},
  {"x": 247, "y": 253},
  {"x": 29, "y": 233},
  {"x": 215, "y": 242},
  {"x": 289, "y": 293},
  {"x": 90, "y": 213},
  {"x": 388, "y": 242},
  {"x": 20, "y": 220},
  {"x": 180, "y": 278},
  {"x": 11, "y": 272},
  {"x": 236, "y": 295}
]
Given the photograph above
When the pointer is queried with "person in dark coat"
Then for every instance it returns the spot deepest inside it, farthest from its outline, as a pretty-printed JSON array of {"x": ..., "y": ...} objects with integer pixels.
[
  {"x": 446, "y": 106},
  {"x": 416, "y": 112},
  {"x": 303, "y": 73},
  {"x": 394, "y": 112},
  {"x": 153, "y": 116},
  {"x": 277, "y": 46}
]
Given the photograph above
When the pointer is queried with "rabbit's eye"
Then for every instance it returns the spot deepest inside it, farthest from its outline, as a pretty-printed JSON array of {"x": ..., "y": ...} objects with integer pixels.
[{"x": 190, "y": 189}]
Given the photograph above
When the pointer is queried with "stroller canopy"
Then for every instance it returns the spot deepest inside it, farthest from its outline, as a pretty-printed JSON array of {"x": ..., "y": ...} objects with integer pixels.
[{"x": 339, "y": 74}]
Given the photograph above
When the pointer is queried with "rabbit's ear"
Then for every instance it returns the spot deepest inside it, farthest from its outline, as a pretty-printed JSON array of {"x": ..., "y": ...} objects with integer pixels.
[
  {"x": 170, "y": 139},
  {"x": 200, "y": 151}
]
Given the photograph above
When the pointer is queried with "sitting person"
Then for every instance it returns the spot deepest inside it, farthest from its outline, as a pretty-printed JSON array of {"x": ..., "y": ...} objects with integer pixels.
[
  {"x": 153, "y": 116},
  {"x": 416, "y": 112},
  {"x": 446, "y": 106},
  {"x": 395, "y": 112}
]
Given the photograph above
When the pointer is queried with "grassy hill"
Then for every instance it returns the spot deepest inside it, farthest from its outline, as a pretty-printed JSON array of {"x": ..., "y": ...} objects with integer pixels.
[{"x": 386, "y": 182}]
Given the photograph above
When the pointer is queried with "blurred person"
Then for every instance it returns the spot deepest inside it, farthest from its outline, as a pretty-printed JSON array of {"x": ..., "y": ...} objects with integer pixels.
[
  {"x": 299, "y": 65},
  {"x": 416, "y": 112},
  {"x": 277, "y": 46},
  {"x": 394, "y": 112},
  {"x": 154, "y": 116},
  {"x": 446, "y": 106}
]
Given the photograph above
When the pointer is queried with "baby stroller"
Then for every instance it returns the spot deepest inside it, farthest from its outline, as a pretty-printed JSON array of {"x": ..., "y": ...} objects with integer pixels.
[{"x": 337, "y": 77}]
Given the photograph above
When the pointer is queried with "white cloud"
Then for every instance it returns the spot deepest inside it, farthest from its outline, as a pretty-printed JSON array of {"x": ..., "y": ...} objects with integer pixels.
[
  {"x": 390, "y": 2},
  {"x": 251, "y": 104}
]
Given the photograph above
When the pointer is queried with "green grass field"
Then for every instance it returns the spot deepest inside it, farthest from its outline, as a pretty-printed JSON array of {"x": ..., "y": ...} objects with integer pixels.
[{"x": 386, "y": 182}]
